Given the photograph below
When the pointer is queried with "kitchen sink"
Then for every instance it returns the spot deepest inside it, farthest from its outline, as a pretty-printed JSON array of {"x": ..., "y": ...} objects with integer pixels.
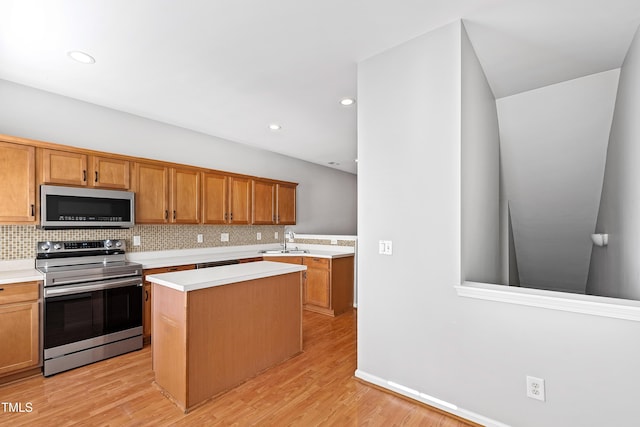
[{"x": 285, "y": 251}]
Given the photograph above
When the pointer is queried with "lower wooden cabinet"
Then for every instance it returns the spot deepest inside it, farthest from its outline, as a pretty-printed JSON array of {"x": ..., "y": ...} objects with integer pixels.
[
  {"x": 328, "y": 283},
  {"x": 147, "y": 297},
  {"x": 19, "y": 328}
]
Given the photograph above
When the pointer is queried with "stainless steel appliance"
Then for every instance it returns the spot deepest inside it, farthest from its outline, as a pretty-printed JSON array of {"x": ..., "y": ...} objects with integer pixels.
[
  {"x": 92, "y": 302},
  {"x": 73, "y": 207}
]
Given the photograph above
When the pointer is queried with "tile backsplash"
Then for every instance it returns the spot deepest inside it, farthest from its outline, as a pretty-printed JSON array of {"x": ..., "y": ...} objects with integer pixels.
[{"x": 19, "y": 241}]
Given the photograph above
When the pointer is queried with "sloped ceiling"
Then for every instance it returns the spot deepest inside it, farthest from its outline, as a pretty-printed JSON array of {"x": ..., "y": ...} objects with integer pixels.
[
  {"x": 553, "y": 145},
  {"x": 230, "y": 68}
]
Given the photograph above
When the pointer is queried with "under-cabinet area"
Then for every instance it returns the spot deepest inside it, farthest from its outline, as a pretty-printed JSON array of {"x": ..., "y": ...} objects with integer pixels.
[{"x": 165, "y": 193}]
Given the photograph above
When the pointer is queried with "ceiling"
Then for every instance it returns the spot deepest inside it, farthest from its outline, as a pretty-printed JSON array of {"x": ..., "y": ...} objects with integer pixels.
[{"x": 230, "y": 68}]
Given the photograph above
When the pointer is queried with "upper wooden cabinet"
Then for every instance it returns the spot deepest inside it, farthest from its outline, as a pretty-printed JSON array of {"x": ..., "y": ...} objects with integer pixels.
[
  {"x": 215, "y": 198},
  {"x": 286, "y": 204},
  {"x": 151, "y": 185},
  {"x": 72, "y": 168},
  {"x": 239, "y": 200},
  {"x": 166, "y": 195},
  {"x": 17, "y": 183},
  {"x": 274, "y": 203},
  {"x": 109, "y": 173},
  {"x": 185, "y": 196},
  {"x": 264, "y": 196}
]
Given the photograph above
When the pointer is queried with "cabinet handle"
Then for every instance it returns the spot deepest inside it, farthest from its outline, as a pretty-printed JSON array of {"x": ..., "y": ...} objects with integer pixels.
[
  {"x": 84, "y": 175},
  {"x": 166, "y": 214},
  {"x": 1, "y": 289},
  {"x": 96, "y": 176},
  {"x": 146, "y": 295},
  {"x": 174, "y": 214},
  {"x": 33, "y": 210},
  {"x": 231, "y": 216},
  {"x": 173, "y": 269},
  {"x": 226, "y": 216}
]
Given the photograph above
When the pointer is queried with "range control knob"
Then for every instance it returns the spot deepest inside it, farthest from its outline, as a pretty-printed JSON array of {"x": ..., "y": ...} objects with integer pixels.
[
  {"x": 44, "y": 247},
  {"x": 57, "y": 246},
  {"x": 108, "y": 244},
  {"x": 118, "y": 244}
]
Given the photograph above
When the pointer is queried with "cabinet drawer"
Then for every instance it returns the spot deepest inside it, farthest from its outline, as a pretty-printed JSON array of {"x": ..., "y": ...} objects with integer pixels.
[
  {"x": 19, "y": 292},
  {"x": 313, "y": 262}
]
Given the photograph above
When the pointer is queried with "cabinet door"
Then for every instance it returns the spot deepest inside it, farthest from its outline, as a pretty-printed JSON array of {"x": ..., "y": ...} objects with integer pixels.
[
  {"x": 146, "y": 314},
  {"x": 263, "y": 202},
  {"x": 19, "y": 327},
  {"x": 317, "y": 287},
  {"x": 185, "y": 196},
  {"x": 286, "y": 201},
  {"x": 17, "y": 183},
  {"x": 110, "y": 173},
  {"x": 214, "y": 199},
  {"x": 239, "y": 200},
  {"x": 151, "y": 184},
  {"x": 64, "y": 167}
]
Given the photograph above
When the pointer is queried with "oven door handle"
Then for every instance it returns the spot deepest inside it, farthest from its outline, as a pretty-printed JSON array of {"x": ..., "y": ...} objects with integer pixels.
[{"x": 70, "y": 290}]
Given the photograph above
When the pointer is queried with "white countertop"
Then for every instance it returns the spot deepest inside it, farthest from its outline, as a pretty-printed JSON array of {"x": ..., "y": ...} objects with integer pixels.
[
  {"x": 171, "y": 258},
  {"x": 16, "y": 271},
  {"x": 191, "y": 280}
]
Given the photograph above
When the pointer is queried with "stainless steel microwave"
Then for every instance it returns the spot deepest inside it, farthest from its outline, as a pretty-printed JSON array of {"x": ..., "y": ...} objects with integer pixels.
[{"x": 73, "y": 207}]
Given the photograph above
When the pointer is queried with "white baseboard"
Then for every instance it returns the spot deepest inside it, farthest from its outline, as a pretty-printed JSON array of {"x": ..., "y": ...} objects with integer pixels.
[{"x": 428, "y": 400}]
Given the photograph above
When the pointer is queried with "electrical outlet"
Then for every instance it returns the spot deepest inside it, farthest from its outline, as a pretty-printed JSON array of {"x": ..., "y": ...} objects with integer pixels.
[
  {"x": 200, "y": 238},
  {"x": 275, "y": 235},
  {"x": 535, "y": 388},
  {"x": 136, "y": 240},
  {"x": 334, "y": 241},
  {"x": 224, "y": 237},
  {"x": 258, "y": 236}
]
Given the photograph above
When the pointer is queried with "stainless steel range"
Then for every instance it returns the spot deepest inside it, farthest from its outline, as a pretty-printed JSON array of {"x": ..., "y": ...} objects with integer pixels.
[{"x": 92, "y": 302}]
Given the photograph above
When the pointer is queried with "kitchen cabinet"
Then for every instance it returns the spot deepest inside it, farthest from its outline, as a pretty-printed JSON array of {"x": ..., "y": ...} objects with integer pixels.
[
  {"x": 273, "y": 203},
  {"x": 148, "y": 295},
  {"x": 166, "y": 195},
  {"x": 286, "y": 204},
  {"x": 225, "y": 199},
  {"x": 239, "y": 200},
  {"x": 17, "y": 183},
  {"x": 19, "y": 328},
  {"x": 328, "y": 282},
  {"x": 246, "y": 260},
  {"x": 82, "y": 170},
  {"x": 263, "y": 194}
]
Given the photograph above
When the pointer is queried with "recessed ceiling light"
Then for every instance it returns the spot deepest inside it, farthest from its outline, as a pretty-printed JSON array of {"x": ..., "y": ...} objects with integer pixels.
[
  {"x": 347, "y": 101},
  {"x": 275, "y": 126},
  {"x": 82, "y": 57}
]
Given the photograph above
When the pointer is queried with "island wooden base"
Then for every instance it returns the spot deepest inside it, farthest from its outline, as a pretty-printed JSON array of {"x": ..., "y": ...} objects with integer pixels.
[{"x": 208, "y": 341}]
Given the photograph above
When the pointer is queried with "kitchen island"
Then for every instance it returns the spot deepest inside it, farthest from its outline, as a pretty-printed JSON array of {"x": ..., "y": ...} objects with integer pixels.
[{"x": 214, "y": 328}]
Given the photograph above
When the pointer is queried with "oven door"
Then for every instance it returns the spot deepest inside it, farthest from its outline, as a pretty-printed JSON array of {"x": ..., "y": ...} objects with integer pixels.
[{"x": 80, "y": 312}]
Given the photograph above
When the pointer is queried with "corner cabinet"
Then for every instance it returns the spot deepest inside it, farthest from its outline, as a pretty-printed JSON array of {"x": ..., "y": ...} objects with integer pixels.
[
  {"x": 17, "y": 183},
  {"x": 148, "y": 295},
  {"x": 19, "y": 329}
]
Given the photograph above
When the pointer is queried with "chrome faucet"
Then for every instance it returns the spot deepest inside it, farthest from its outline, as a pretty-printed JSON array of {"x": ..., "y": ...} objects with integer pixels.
[{"x": 287, "y": 235}]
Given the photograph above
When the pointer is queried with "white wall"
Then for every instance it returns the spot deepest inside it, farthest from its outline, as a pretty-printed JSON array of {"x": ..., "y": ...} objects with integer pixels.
[
  {"x": 615, "y": 269},
  {"x": 412, "y": 327},
  {"x": 553, "y": 144},
  {"x": 481, "y": 261},
  {"x": 326, "y": 197}
]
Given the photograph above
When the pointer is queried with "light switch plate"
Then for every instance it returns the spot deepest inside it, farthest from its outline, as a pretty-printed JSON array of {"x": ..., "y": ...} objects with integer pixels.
[
  {"x": 136, "y": 240},
  {"x": 258, "y": 236},
  {"x": 275, "y": 235},
  {"x": 200, "y": 238},
  {"x": 385, "y": 247},
  {"x": 224, "y": 237},
  {"x": 334, "y": 241}
]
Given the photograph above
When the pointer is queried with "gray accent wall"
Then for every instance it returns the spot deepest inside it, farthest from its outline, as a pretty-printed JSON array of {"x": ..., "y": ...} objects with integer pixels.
[
  {"x": 615, "y": 269},
  {"x": 326, "y": 197},
  {"x": 413, "y": 329}
]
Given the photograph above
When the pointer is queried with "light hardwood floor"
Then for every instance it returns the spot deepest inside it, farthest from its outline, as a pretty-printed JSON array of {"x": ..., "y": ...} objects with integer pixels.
[{"x": 316, "y": 388}]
